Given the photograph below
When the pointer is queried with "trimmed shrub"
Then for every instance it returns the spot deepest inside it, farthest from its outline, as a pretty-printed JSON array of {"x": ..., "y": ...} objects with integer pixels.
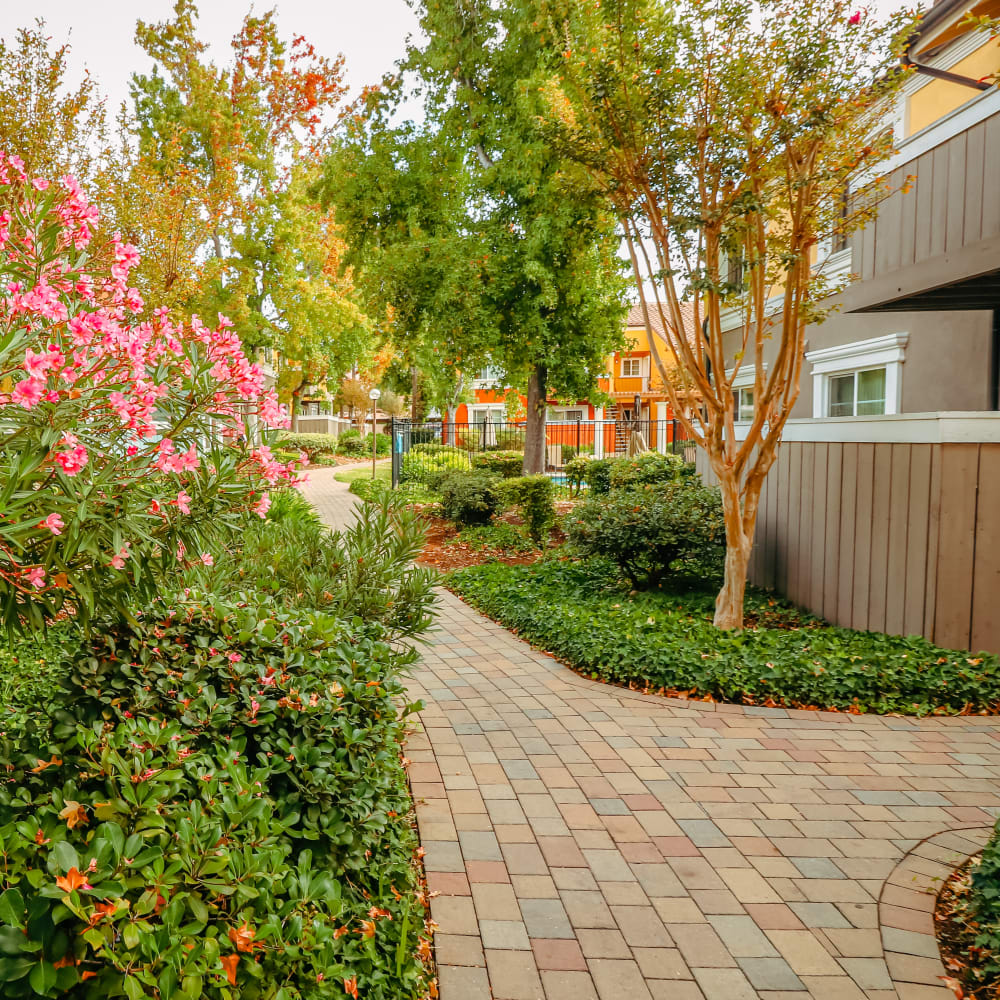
[
  {"x": 421, "y": 464},
  {"x": 313, "y": 445},
  {"x": 576, "y": 471},
  {"x": 533, "y": 497},
  {"x": 469, "y": 498},
  {"x": 350, "y": 442},
  {"x": 503, "y": 463},
  {"x": 649, "y": 468},
  {"x": 597, "y": 475},
  {"x": 653, "y": 530}
]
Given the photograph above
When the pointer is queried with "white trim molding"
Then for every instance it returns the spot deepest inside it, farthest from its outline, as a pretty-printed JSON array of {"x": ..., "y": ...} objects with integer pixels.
[
  {"x": 887, "y": 352},
  {"x": 939, "y": 427}
]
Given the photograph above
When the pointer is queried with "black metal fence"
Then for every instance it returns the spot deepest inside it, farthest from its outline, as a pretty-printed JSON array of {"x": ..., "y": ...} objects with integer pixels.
[{"x": 429, "y": 445}]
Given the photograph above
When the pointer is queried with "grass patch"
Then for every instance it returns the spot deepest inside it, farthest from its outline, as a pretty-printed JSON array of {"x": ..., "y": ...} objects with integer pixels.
[
  {"x": 383, "y": 473},
  {"x": 664, "y": 641}
]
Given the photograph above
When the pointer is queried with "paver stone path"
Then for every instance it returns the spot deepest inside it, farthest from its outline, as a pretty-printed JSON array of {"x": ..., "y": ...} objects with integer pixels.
[{"x": 588, "y": 842}]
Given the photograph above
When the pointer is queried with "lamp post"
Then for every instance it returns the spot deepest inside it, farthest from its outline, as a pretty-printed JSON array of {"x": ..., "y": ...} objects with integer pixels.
[{"x": 374, "y": 397}]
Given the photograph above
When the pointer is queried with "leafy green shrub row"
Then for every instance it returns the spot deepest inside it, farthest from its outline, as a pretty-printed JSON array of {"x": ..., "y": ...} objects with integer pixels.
[
  {"x": 532, "y": 495},
  {"x": 666, "y": 640},
  {"x": 216, "y": 795},
  {"x": 502, "y": 463},
  {"x": 650, "y": 531},
  {"x": 499, "y": 537},
  {"x": 985, "y": 903},
  {"x": 352, "y": 443},
  {"x": 313, "y": 445}
]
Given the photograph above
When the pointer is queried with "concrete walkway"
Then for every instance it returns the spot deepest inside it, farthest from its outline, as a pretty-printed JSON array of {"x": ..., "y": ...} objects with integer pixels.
[{"x": 589, "y": 843}]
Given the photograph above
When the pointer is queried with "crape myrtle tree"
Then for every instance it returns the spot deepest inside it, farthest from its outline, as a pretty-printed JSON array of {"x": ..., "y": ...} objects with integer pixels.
[
  {"x": 471, "y": 227},
  {"x": 725, "y": 130}
]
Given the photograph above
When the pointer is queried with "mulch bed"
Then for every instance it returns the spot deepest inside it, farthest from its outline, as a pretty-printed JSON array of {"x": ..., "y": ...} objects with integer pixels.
[
  {"x": 956, "y": 931},
  {"x": 442, "y": 552}
]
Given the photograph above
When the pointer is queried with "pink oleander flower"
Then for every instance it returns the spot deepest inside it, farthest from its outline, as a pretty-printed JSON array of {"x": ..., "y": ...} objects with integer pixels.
[
  {"x": 855, "y": 18},
  {"x": 54, "y": 523},
  {"x": 182, "y": 502},
  {"x": 73, "y": 461},
  {"x": 262, "y": 506},
  {"x": 28, "y": 393},
  {"x": 40, "y": 184},
  {"x": 118, "y": 560},
  {"x": 36, "y": 577},
  {"x": 207, "y": 559}
]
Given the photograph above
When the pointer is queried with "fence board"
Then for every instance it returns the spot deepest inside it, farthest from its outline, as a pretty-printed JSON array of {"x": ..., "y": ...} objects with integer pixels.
[
  {"x": 820, "y": 496},
  {"x": 933, "y": 543},
  {"x": 847, "y": 548},
  {"x": 878, "y": 566},
  {"x": 806, "y": 494},
  {"x": 834, "y": 508},
  {"x": 985, "y": 632},
  {"x": 956, "y": 549},
  {"x": 990, "y": 218},
  {"x": 900, "y": 488},
  {"x": 863, "y": 535},
  {"x": 792, "y": 509},
  {"x": 781, "y": 534},
  {"x": 917, "y": 539}
]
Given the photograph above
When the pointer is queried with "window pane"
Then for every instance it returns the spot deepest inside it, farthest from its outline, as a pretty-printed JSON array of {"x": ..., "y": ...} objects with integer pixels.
[
  {"x": 842, "y": 396},
  {"x": 871, "y": 392},
  {"x": 745, "y": 411}
]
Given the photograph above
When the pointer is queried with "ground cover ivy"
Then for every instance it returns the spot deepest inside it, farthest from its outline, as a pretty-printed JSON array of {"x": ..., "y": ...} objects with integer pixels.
[{"x": 664, "y": 640}]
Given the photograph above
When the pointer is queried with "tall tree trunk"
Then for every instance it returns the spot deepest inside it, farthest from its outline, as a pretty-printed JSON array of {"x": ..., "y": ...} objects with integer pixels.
[
  {"x": 293, "y": 407},
  {"x": 414, "y": 390},
  {"x": 534, "y": 429},
  {"x": 741, "y": 520}
]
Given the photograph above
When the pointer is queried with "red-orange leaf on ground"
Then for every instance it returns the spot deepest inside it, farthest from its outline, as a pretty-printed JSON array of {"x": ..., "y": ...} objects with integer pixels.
[
  {"x": 954, "y": 985},
  {"x": 53, "y": 761}
]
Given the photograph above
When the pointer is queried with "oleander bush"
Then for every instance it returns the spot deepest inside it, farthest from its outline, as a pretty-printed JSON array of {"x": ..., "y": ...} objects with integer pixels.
[
  {"x": 664, "y": 640},
  {"x": 533, "y": 497},
  {"x": 653, "y": 531},
  {"x": 502, "y": 463},
  {"x": 470, "y": 498}
]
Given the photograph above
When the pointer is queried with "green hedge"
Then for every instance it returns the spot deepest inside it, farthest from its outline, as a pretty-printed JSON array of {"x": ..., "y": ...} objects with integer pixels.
[
  {"x": 503, "y": 463},
  {"x": 313, "y": 445},
  {"x": 985, "y": 902},
  {"x": 427, "y": 463},
  {"x": 644, "y": 470},
  {"x": 533, "y": 497},
  {"x": 654, "y": 530},
  {"x": 470, "y": 498},
  {"x": 666, "y": 640}
]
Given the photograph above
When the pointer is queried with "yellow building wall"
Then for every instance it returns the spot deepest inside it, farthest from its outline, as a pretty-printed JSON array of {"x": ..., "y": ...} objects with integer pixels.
[{"x": 939, "y": 97}]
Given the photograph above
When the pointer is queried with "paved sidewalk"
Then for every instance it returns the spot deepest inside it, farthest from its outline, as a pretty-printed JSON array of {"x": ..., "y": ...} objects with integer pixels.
[{"x": 589, "y": 843}]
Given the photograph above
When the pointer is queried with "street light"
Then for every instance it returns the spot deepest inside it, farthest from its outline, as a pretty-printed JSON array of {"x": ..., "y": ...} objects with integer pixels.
[{"x": 374, "y": 396}]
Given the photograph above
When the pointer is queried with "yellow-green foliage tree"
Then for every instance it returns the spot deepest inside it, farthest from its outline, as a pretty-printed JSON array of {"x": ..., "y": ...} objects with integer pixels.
[{"x": 721, "y": 129}]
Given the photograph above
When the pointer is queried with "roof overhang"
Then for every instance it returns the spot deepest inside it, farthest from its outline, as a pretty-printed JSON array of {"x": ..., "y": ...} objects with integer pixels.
[{"x": 966, "y": 278}]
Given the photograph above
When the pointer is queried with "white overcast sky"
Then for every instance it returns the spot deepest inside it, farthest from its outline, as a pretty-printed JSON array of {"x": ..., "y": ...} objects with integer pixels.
[{"x": 370, "y": 33}]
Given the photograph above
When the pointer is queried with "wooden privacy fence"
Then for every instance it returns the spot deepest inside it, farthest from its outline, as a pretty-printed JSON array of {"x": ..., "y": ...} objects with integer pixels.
[{"x": 887, "y": 530}]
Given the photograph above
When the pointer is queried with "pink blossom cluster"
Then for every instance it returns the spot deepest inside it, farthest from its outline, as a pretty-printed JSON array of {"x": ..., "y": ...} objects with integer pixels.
[{"x": 152, "y": 396}]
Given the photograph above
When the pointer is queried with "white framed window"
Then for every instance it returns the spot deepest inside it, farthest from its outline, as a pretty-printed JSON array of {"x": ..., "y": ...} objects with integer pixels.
[
  {"x": 566, "y": 413},
  {"x": 863, "y": 379},
  {"x": 742, "y": 384},
  {"x": 743, "y": 404},
  {"x": 631, "y": 367},
  {"x": 488, "y": 414}
]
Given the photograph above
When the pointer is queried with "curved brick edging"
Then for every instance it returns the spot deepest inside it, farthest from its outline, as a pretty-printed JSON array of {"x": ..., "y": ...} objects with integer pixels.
[{"x": 906, "y": 911}]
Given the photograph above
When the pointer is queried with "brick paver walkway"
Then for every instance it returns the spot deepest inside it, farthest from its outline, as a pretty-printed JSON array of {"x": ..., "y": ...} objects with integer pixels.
[{"x": 589, "y": 843}]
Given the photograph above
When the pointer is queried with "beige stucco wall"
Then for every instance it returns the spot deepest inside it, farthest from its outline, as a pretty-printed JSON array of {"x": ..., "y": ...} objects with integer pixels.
[{"x": 947, "y": 359}]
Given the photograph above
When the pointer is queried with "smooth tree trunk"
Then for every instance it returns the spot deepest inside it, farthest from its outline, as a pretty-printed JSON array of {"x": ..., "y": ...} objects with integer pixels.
[
  {"x": 414, "y": 390},
  {"x": 739, "y": 509},
  {"x": 534, "y": 428}
]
